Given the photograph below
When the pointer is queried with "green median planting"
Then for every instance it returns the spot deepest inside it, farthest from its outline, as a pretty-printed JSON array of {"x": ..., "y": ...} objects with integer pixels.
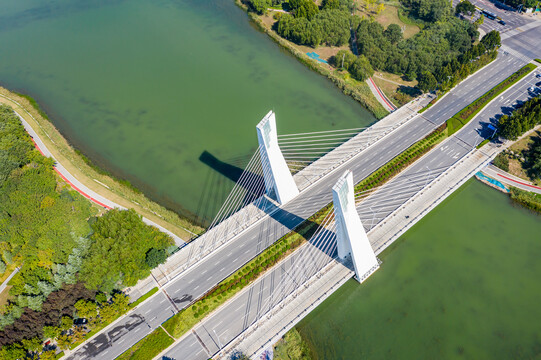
[
  {"x": 465, "y": 115},
  {"x": 403, "y": 160},
  {"x": 148, "y": 347},
  {"x": 189, "y": 317},
  {"x": 483, "y": 143},
  {"x": 144, "y": 297}
]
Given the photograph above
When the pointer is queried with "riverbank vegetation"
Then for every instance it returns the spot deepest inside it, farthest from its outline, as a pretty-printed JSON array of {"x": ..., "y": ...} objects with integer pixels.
[
  {"x": 465, "y": 115},
  {"x": 68, "y": 250},
  {"x": 415, "y": 39},
  {"x": 527, "y": 199},
  {"x": 87, "y": 173},
  {"x": 359, "y": 91},
  {"x": 292, "y": 347}
]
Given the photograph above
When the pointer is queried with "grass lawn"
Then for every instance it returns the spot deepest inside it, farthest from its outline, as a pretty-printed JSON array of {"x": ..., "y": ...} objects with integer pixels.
[{"x": 390, "y": 16}]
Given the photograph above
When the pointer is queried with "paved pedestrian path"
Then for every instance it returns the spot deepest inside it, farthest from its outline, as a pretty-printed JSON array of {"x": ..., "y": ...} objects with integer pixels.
[{"x": 508, "y": 179}]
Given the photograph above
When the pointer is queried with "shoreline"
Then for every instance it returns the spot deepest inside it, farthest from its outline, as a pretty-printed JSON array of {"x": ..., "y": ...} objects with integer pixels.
[
  {"x": 92, "y": 176},
  {"x": 374, "y": 107}
]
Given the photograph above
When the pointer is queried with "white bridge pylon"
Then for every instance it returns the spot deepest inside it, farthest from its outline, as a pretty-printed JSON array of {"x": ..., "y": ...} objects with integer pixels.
[
  {"x": 278, "y": 180},
  {"x": 351, "y": 237}
]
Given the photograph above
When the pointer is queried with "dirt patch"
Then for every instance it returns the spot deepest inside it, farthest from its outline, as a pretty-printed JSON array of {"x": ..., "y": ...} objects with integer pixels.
[
  {"x": 268, "y": 19},
  {"x": 524, "y": 144},
  {"x": 324, "y": 52}
]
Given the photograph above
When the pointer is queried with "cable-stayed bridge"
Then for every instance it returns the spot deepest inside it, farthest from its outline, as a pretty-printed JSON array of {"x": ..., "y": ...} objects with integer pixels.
[
  {"x": 309, "y": 158},
  {"x": 253, "y": 217}
]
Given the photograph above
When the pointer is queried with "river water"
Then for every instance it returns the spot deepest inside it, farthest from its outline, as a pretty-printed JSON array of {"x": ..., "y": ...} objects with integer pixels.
[
  {"x": 463, "y": 283},
  {"x": 145, "y": 87}
]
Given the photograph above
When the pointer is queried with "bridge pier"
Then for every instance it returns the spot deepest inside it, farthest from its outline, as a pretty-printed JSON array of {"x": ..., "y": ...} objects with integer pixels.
[
  {"x": 278, "y": 178},
  {"x": 351, "y": 236}
]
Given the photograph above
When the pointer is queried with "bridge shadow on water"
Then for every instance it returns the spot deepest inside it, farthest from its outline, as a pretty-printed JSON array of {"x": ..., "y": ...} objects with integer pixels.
[{"x": 228, "y": 170}]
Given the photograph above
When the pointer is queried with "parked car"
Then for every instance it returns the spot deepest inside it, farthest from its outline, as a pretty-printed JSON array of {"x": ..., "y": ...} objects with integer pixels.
[
  {"x": 502, "y": 22},
  {"x": 80, "y": 321}
]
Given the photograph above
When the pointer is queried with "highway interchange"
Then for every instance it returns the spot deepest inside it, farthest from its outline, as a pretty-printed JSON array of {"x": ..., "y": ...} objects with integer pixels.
[{"x": 204, "y": 275}]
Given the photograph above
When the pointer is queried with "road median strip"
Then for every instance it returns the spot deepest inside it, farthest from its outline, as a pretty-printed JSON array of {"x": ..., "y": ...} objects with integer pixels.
[{"x": 464, "y": 116}]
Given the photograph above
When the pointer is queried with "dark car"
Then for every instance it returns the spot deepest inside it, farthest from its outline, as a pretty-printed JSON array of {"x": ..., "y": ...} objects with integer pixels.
[
  {"x": 538, "y": 84},
  {"x": 502, "y": 22},
  {"x": 80, "y": 321}
]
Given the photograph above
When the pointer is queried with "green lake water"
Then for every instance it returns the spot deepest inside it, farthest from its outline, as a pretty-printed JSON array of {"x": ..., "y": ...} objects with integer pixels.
[
  {"x": 463, "y": 283},
  {"x": 145, "y": 87}
]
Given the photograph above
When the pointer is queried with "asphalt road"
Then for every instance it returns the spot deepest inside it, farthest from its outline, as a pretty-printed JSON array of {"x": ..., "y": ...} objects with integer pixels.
[
  {"x": 511, "y": 17},
  {"x": 225, "y": 260},
  {"x": 237, "y": 315}
]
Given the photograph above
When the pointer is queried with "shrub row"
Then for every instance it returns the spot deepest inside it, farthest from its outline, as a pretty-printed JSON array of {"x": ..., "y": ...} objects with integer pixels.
[
  {"x": 465, "y": 115},
  {"x": 403, "y": 160},
  {"x": 148, "y": 347}
]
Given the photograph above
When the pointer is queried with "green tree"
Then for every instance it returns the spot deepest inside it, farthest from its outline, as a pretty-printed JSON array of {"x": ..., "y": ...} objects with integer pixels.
[
  {"x": 343, "y": 59},
  {"x": 427, "y": 82},
  {"x": 393, "y": 33},
  {"x": 12, "y": 352},
  {"x": 155, "y": 257},
  {"x": 259, "y": 6},
  {"x": 429, "y": 10},
  {"x": 303, "y": 8},
  {"x": 330, "y": 4},
  {"x": 361, "y": 69},
  {"x": 66, "y": 323},
  {"x": 48, "y": 355},
  {"x": 117, "y": 255},
  {"x": 491, "y": 40},
  {"x": 51, "y": 332},
  {"x": 32, "y": 345},
  {"x": 64, "y": 342},
  {"x": 86, "y": 309},
  {"x": 465, "y": 7},
  {"x": 2, "y": 267}
]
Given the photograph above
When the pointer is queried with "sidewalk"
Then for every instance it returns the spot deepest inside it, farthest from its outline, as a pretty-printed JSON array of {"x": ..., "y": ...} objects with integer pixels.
[
  {"x": 380, "y": 96},
  {"x": 508, "y": 179}
]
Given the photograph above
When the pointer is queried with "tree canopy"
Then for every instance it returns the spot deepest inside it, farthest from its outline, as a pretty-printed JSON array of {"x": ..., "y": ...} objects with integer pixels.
[
  {"x": 330, "y": 27},
  {"x": 429, "y": 10},
  {"x": 465, "y": 7},
  {"x": 521, "y": 120},
  {"x": 117, "y": 255}
]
